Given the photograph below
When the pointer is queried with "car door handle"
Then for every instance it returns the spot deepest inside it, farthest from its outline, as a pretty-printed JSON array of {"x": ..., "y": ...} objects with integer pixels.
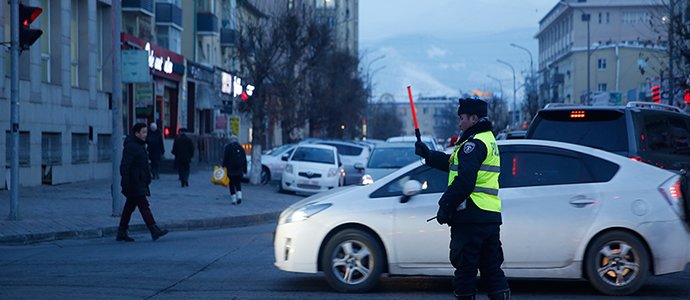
[{"x": 580, "y": 201}]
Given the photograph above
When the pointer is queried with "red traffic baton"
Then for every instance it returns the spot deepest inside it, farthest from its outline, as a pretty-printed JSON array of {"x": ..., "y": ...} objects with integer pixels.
[{"x": 414, "y": 116}]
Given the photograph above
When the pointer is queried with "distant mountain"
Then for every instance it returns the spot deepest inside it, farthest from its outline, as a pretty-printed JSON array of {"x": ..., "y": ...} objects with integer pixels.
[{"x": 447, "y": 66}]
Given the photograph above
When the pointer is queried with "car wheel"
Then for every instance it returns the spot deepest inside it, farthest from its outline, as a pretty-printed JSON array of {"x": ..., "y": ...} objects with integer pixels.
[
  {"x": 616, "y": 263},
  {"x": 352, "y": 261},
  {"x": 265, "y": 175}
]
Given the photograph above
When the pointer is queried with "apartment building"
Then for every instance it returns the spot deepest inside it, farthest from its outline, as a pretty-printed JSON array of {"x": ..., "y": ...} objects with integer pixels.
[{"x": 599, "y": 52}]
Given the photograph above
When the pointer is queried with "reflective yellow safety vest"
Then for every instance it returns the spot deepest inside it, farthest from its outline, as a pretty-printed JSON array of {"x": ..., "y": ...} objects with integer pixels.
[{"x": 485, "y": 194}]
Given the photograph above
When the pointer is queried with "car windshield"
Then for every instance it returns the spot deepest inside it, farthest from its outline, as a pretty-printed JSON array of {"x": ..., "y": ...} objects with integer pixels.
[
  {"x": 600, "y": 129},
  {"x": 278, "y": 150},
  {"x": 316, "y": 155},
  {"x": 392, "y": 157}
]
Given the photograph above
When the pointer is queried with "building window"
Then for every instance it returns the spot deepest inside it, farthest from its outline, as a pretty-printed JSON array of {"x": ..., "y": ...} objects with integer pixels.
[
  {"x": 601, "y": 64},
  {"x": 328, "y": 4},
  {"x": 104, "y": 147},
  {"x": 24, "y": 149},
  {"x": 51, "y": 148},
  {"x": 602, "y": 87},
  {"x": 74, "y": 43},
  {"x": 600, "y": 18},
  {"x": 80, "y": 148},
  {"x": 636, "y": 17},
  {"x": 608, "y": 17}
]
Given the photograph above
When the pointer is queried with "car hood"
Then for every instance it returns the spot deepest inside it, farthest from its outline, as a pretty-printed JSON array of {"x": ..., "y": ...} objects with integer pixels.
[{"x": 330, "y": 196}]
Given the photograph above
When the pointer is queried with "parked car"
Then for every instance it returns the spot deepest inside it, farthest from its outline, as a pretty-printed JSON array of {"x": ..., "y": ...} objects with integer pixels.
[
  {"x": 385, "y": 159},
  {"x": 656, "y": 134},
  {"x": 350, "y": 153},
  {"x": 271, "y": 163},
  {"x": 428, "y": 140},
  {"x": 569, "y": 212},
  {"x": 312, "y": 169},
  {"x": 511, "y": 135}
]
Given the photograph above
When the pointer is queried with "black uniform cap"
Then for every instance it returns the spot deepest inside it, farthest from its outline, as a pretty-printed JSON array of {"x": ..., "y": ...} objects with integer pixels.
[{"x": 472, "y": 106}]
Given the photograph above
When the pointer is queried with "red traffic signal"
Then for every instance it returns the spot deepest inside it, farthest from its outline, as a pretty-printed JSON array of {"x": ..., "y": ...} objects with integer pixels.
[
  {"x": 28, "y": 35},
  {"x": 656, "y": 94}
]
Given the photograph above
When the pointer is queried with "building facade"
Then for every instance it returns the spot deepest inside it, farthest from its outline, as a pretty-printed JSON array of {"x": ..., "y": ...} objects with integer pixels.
[{"x": 596, "y": 52}]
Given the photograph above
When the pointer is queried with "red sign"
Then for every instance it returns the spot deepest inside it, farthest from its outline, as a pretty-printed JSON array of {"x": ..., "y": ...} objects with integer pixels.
[{"x": 161, "y": 60}]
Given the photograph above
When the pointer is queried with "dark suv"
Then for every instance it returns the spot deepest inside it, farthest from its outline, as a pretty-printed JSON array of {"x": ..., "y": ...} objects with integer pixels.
[{"x": 653, "y": 133}]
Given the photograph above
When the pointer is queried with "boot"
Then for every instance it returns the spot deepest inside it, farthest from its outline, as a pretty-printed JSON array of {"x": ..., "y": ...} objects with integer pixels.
[
  {"x": 502, "y": 295},
  {"x": 122, "y": 235},
  {"x": 156, "y": 232}
]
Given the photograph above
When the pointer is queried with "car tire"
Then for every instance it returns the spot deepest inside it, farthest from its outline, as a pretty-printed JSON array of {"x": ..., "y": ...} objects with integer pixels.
[
  {"x": 352, "y": 261},
  {"x": 265, "y": 175},
  {"x": 617, "y": 263}
]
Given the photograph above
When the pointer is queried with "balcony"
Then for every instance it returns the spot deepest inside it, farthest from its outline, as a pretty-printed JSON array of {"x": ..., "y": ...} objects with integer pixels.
[
  {"x": 229, "y": 37},
  {"x": 169, "y": 14},
  {"x": 206, "y": 23},
  {"x": 140, "y": 6}
]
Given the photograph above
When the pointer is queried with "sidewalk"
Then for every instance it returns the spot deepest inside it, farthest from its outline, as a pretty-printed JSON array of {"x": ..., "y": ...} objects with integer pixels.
[{"x": 84, "y": 210}]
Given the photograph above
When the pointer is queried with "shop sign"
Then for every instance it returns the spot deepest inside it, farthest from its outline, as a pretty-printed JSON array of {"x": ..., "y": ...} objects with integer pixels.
[
  {"x": 232, "y": 85},
  {"x": 157, "y": 62}
]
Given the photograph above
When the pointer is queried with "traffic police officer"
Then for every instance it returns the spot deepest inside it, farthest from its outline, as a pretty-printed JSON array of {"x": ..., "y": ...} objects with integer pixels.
[{"x": 470, "y": 205}]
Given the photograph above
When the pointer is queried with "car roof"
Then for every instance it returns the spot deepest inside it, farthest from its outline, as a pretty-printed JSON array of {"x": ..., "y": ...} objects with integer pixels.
[
  {"x": 320, "y": 146},
  {"x": 395, "y": 145},
  {"x": 409, "y": 138},
  {"x": 632, "y": 105},
  {"x": 321, "y": 142}
]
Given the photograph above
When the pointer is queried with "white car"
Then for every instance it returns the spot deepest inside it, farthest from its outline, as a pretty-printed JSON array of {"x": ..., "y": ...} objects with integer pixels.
[
  {"x": 312, "y": 168},
  {"x": 430, "y": 141},
  {"x": 271, "y": 163},
  {"x": 569, "y": 212}
]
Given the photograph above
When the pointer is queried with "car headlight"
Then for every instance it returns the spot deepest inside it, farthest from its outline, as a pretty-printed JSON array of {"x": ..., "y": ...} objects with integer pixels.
[
  {"x": 367, "y": 179},
  {"x": 288, "y": 168},
  {"x": 306, "y": 212},
  {"x": 332, "y": 172}
]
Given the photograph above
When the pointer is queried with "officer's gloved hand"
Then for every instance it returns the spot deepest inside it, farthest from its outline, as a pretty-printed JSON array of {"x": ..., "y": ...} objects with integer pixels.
[
  {"x": 443, "y": 213},
  {"x": 422, "y": 150}
]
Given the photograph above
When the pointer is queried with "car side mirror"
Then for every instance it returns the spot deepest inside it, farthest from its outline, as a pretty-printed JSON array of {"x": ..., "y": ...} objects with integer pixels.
[
  {"x": 340, "y": 163},
  {"x": 284, "y": 157},
  {"x": 359, "y": 166},
  {"x": 411, "y": 188}
]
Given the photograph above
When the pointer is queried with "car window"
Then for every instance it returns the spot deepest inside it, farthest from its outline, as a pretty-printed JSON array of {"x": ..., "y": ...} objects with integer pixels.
[
  {"x": 663, "y": 140},
  {"x": 346, "y": 150},
  {"x": 279, "y": 150},
  {"x": 539, "y": 166},
  {"x": 601, "y": 129},
  {"x": 317, "y": 155},
  {"x": 391, "y": 157},
  {"x": 432, "y": 180}
]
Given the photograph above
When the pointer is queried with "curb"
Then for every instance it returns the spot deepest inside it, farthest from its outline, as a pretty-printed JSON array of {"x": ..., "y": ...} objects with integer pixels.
[{"x": 184, "y": 225}]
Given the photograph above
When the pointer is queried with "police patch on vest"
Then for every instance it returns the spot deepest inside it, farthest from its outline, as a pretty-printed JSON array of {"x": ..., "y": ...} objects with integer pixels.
[{"x": 468, "y": 147}]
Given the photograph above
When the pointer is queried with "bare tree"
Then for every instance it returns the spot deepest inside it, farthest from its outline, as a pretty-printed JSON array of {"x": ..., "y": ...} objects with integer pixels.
[{"x": 382, "y": 121}]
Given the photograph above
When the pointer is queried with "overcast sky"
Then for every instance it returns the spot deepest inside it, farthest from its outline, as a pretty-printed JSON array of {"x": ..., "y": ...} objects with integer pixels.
[{"x": 449, "y": 30}]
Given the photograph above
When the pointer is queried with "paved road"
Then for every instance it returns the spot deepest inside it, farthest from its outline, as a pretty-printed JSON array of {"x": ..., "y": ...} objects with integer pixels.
[{"x": 232, "y": 263}]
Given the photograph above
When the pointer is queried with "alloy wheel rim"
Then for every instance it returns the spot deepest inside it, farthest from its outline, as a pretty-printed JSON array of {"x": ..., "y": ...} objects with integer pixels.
[
  {"x": 618, "y": 263},
  {"x": 351, "y": 262}
]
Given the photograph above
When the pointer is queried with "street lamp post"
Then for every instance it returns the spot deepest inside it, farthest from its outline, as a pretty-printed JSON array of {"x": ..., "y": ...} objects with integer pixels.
[
  {"x": 531, "y": 73},
  {"x": 514, "y": 88}
]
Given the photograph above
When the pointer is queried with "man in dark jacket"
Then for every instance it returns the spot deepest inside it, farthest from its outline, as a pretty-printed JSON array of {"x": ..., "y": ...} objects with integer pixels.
[
  {"x": 470, "y": 205},
  {"x": 155, "y": 147},
  {"x": 136, "y": 177},
  {"x": 183, "y": 149},
  {"x": 235, "y": 161}
]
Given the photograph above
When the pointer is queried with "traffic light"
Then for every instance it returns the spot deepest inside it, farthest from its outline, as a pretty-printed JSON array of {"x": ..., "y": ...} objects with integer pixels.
[
  {"x": 28, "y": 35},
  {"x": 656, "y": 94}
]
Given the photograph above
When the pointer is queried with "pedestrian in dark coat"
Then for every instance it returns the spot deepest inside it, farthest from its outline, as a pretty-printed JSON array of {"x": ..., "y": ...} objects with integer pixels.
[
  {"x": 235, "y": 161},
  {"x": 470, "y": 204},
  {"x": 183, "y": 149},
  {"x": 136, "y": 177},
  {"x": 156, "y": 149}
]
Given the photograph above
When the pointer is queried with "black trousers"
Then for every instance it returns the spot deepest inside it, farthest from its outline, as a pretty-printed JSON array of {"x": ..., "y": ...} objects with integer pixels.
[
  {"x": 183, "y": 171},
  {"x": 155, "y": 167},
  {"x": 473, "y": 247},
  {"x": 235, "y": 184}
]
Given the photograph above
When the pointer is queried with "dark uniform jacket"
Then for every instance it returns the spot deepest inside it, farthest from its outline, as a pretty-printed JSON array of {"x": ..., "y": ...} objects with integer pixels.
[
  {"x": 234, "y": 159},
  {"x": 183, "y": 149},
  {"x": 134, "y": 168},
  {"x": 463, "y": 185},
  {"x": 154, "y": 140}
]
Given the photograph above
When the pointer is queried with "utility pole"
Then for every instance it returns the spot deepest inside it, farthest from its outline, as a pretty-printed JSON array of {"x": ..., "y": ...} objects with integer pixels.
[
  {"x": 514, "y": 92},
  {"x": 14, "y": 109},
  {"x": 117, "y": 108}
]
